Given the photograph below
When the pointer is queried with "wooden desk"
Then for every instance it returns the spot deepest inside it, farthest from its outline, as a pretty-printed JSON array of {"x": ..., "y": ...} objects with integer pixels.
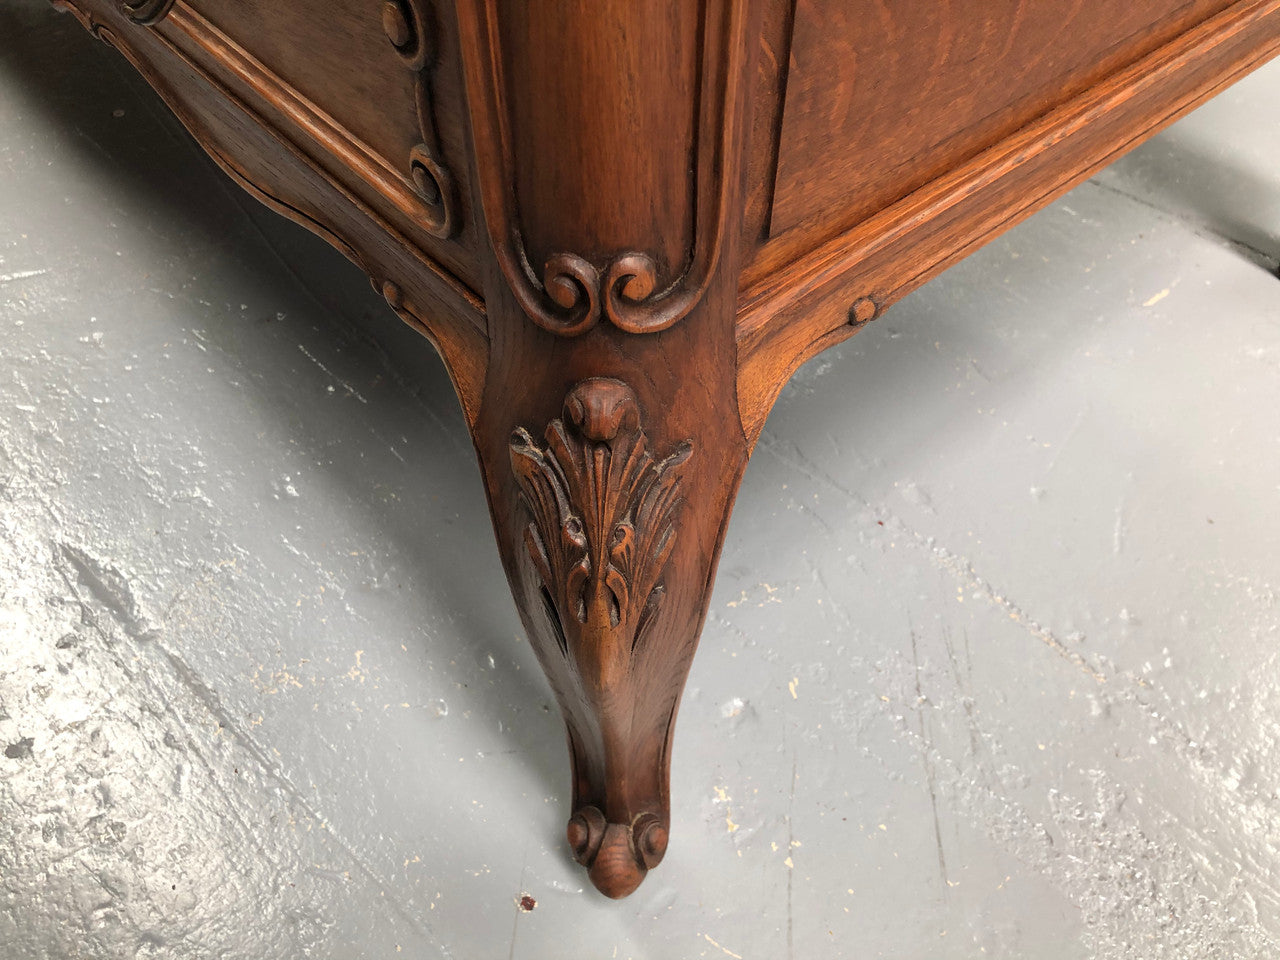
[{"x": 625, "y": 223}]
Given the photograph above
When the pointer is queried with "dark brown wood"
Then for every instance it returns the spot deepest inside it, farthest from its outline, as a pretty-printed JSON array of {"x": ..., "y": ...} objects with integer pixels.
[
  {"x": 609, "y": 436},
  {"x": 624, "y": 223}
]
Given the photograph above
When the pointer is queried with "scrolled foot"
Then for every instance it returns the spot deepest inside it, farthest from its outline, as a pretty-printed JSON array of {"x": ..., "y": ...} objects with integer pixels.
[{"x": 617, "y": 856}]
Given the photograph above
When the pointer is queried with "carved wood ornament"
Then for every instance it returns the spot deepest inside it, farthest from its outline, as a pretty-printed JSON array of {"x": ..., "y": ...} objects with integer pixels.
[
  {"x": 602, "y": 528},
  {"x": 615, "y": 224},
  {"x": 408, "y": 25},
  {"x": 146, "y": 12},
  {"x": 576, "y": 232}
]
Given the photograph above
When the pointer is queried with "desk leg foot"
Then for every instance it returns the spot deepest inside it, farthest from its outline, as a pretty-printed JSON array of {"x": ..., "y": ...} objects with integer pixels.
[{"x": 609, "y": 520}]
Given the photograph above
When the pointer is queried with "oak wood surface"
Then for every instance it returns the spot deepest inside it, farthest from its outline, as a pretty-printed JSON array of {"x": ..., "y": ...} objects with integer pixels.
[
  {"x": 315, "y": 49},
  {"x": 336, "y": 69},
  {"x": 624, "y": 223},
  {"x": 883, "y": 97}
]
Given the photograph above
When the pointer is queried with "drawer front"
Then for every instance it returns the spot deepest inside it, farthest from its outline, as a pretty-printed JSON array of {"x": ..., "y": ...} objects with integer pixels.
[{"x": 376, "y": 88}]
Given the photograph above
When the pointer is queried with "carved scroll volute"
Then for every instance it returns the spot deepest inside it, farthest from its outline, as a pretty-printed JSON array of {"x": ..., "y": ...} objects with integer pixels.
[
  {"x": 601, "y": 530},
  {"x": 146, "y": 12},
  {"x": 604, "y": 134},
  {"x": 409, "y": 27}
]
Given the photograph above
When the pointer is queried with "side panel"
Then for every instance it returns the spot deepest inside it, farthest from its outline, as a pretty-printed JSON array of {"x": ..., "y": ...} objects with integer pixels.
[
  {"x": 883, "y": 96},
  {"x": 806, "y": 290}
]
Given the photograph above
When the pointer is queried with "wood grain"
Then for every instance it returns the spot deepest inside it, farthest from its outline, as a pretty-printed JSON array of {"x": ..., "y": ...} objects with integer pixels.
[
  {"x": 883, "y": 97},
  {"x": 607, "y": 141}
]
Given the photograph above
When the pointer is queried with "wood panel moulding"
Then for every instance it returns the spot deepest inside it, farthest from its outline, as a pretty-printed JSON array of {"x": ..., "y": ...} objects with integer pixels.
[
  {"x": 586, "y": 128},
  {"x": 411, "y": 31},
  {"x": 145, "y": 12}
]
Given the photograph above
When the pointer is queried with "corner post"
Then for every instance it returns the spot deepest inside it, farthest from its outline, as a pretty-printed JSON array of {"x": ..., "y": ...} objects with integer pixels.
[{"x": 608, "y": 150}]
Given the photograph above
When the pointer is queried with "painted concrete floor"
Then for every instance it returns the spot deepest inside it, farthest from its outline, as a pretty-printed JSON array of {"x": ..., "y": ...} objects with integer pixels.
[{"x": 992, "y": 664}]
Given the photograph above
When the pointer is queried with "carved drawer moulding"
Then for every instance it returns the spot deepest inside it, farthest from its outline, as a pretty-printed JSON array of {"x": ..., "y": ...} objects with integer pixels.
[
  {"x": 410, "y": 29},
  {"x": 146, "y": 12}
]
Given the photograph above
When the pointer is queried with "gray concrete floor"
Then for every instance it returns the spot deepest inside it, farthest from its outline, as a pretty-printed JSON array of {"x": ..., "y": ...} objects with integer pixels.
[{"x": 991, "y": 669}]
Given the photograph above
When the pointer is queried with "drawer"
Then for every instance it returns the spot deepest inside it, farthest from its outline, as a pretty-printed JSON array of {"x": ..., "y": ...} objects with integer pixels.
[{"x": 371, "y": 92}]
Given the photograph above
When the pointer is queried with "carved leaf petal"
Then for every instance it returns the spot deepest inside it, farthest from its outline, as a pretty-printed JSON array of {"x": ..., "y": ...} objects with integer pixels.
[{"x": 603, "y": 514}]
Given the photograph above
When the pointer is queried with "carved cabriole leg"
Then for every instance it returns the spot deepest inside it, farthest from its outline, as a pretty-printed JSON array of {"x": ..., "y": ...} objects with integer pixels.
[
  {"x": 611, "y": 462},
  {"x": 608, "y": 430}
]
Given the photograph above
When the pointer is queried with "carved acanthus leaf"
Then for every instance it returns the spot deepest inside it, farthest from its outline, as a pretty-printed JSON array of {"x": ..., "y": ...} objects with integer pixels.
[{"x": 602, "y": 527}]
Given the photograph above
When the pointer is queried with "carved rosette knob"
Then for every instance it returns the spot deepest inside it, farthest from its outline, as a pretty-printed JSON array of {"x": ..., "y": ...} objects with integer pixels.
[
  {"x": 395, "y": 23},
  {"x": 434, "y": 186},
  {"x": 584, "y": 832},
  {"x": 650, "y": 840},
  {"x": 407, "y": 29}
]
